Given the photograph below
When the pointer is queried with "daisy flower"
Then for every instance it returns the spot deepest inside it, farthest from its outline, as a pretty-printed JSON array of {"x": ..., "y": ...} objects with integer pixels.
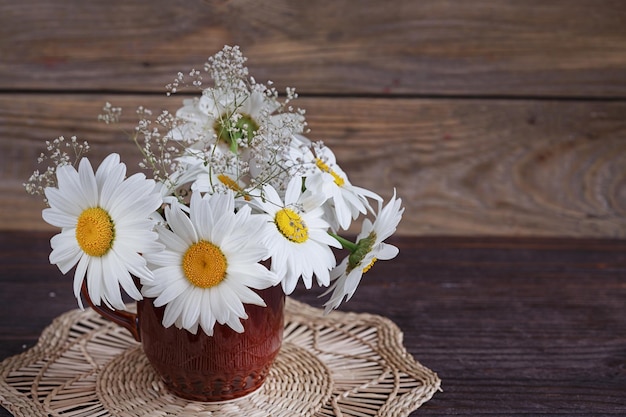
[
  {"x": 224, "y": 114},
  {"x": 105, "y": 227},
  {"x": 296, "y": 235},
  {"x": 210, "y": 264},
  {"x": 345, "y": 201},
  {"x": 368, "y": 249}
]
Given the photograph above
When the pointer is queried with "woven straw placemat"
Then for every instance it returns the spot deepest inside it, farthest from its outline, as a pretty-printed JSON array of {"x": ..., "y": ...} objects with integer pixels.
[{"x": 342, "y": 364}]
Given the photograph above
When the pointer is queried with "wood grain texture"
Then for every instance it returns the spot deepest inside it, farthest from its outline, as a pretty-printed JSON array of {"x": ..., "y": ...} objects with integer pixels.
[
  {"x": 473, "y": 167},
  {"x": 513, "y": 327},
  {"x": 432, "y": 47}
]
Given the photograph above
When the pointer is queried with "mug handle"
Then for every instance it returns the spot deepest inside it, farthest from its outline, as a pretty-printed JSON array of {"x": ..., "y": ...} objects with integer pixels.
[{"x": 126, "y": 319}]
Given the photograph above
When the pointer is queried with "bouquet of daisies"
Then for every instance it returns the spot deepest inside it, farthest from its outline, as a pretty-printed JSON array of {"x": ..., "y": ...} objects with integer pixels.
[{"x": 239, "y": 199}]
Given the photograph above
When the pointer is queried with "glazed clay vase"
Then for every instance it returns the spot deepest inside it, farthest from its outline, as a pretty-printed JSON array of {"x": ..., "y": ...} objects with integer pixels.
[{"x": 222, "y": 367}]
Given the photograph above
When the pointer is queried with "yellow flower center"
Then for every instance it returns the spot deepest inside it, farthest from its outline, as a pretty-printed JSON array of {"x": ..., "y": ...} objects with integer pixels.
[
  {"x": 291, "y": 225},
  {"x": 325, "y": 168},
  {"x": 204, "y": 264},
  {"x": 370, "y": 265},
  {"x": 95, "y": 231},
  {"x": 232, "y": 184}
]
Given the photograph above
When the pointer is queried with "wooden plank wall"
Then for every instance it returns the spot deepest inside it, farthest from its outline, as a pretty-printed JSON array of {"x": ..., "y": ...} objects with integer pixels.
[{"x": 490, "y": 117}]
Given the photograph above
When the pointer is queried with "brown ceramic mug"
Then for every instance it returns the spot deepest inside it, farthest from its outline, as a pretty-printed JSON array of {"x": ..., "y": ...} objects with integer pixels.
[{"x": 199, "y": 367}]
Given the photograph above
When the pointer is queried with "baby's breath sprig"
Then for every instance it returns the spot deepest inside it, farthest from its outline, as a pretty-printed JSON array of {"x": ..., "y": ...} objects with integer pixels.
[
  {"x": 57, "y": 154},
  {"x": 181, "y": 81},
  {"x": 227, "y": 67},
  {"x": 156, "y": 148},
  {"x": 110, "y": 114}
]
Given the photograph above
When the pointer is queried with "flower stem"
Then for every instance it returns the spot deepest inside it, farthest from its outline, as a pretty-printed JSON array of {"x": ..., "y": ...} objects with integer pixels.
[{"x": 345, "y": 243}]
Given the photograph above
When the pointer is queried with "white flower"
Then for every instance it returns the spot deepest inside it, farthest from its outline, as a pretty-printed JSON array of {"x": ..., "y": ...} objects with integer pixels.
[
  {"x": 210, "y": 264},
  {"x": 369, "y": 248},
  {"x": 224, "y": 114},
  {"x": 296, "y": 235},
  {"x": 105, "y": 228},
  {"x": 345, "y": 201}
]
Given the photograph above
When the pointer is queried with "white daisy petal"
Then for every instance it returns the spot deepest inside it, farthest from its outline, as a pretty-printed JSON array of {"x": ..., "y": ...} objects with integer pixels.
[
  {"x": 207, "y": 318},
  {"x": 58, "y": 219},
  {"x": 79, "y": 277},
  {"x": 63, "y": 202},
  {"x": 112, "y": 294},
  {"x": 110, "y": 187},
  {"x": 123, "y": 275},
  {"x": 170, "y": 293},
  {"x": 172, "y": 241},
  {"x": 232, "y": 301},
  {"x": 70, "y": 189},
  {"x": 181, "y": 224},
  {"x": 110, "y": 168},
  {"x": 247, "y": 296},
  {"x": 88, "y": 183},
  {"x": 64, "y": 254},
  {"x": 235, "y": 323},
  {"x": 94, "y": 281},
  {"x": 385, "y": 252},
  {"x": 126, "y": 195},
  {"x": 191, "y": 310},
  {"x": 173, "y": 311},
  {"x": 201, "y": 217},
  {"x": 219, "y": 307},
  {"x": 163, "y": 258}
]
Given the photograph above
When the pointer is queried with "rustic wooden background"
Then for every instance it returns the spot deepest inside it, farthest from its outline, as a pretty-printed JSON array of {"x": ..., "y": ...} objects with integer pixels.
[{"x": 490, "y": 117}]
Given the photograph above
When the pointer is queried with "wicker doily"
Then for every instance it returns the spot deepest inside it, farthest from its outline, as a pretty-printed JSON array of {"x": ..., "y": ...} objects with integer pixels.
[
  {"x": 343, "y": 364},
  {"x": 298, "y": 383}
]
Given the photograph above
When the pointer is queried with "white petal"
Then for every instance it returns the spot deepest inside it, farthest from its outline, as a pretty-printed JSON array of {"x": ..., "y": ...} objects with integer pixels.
[
  {"x": 65, "y": 251},
  {"x": 79, "y": 277},
  {"x": 207, "y": 318},
  {"x": 172, "y": 313},
  {"x": 88, "y": 183},
  {"x": 246, "y": 295},
  {"x": 163, "y": 258},
  {"x": 109, "y": 167},
  {"x": 191, "y": 310},
  {"x": 94, "y": 279},
  {"x": 170, "y": 293},
  {"x": 385, "y": 251},
  {"x": 218, "y": 306},
  {"x": 181, "y": 225},
  {"x": 173, "y": 241},
  {"x": 65, "y": 202},
  {"x": 59, "y": 218},
  {"x": 201, "y": 216},
  {"x": 294, "y": 190},
  {"x": 111, "y": 291},
  {"x": 69, "y": 186}
]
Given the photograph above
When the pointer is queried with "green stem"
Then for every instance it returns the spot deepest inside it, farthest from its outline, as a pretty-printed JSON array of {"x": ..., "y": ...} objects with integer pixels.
[{"x": 344, "y": 242}]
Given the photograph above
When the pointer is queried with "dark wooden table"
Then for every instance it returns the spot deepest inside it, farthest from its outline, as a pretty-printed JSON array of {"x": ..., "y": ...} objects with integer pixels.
[{"x": 513, "y": 326}]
